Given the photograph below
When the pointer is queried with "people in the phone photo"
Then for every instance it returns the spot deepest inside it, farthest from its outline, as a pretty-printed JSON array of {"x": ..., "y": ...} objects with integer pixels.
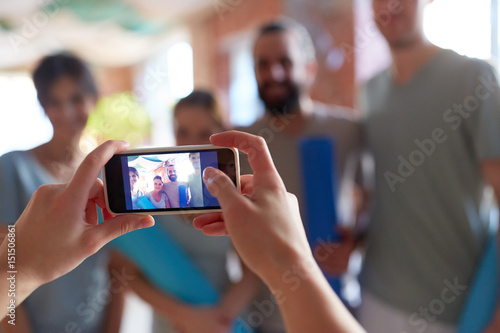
[
  {"x": 175, "y": 189},
  {"x": 157, "y": 197},
  {"x": 135, "y": 191},
  {"x": 194, "y": 183}
]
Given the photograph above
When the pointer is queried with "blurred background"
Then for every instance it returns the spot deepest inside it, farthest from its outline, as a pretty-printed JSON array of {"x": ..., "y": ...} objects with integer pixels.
[{"x": 147, "y": 54}]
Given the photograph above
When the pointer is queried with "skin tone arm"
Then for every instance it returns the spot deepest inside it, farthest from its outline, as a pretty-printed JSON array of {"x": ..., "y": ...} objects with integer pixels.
[
  {"x": 268, "y": 234},
  {"x": 491, "y": 172},
  {"x": 114, "y": 311},
  {"x": 182, "y": 317},
  {"x": 187, "y": 318},
  {"x": 58, "y": 229},
  {"x": 240, "y": 294},
  {"x": 22, "y": 321}
]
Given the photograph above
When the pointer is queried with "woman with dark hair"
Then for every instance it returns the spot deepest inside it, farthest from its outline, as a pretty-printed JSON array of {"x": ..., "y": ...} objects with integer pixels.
[
  {"x": 135, "y": 191},
  {"x": 196, "y": 117},
  {"x": 67, "y": 94},
  {"x": 157, "y": 197}
]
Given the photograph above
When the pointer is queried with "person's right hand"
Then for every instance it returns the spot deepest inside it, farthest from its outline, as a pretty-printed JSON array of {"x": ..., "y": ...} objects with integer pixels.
[
  {"x": 265, "y": 228},
  {"x": 268, "y": 234},
  {"x": 59, "y": 227}
]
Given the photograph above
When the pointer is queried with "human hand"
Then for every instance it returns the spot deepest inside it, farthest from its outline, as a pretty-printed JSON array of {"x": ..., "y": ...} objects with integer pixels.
[
  {"x": 265, "y": 228},
  {"x": 333, "y": 257},
  {"x": 59, "y": 227},
  {"x": 201, "y": 319}
]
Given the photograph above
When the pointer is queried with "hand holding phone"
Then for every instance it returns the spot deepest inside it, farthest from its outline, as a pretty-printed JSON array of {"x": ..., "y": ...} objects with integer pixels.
[{"x": 162, "y": 181}]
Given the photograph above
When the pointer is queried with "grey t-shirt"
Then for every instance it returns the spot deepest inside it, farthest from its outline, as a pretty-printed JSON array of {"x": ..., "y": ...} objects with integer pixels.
[
  {"x": 196, "y": 190},
  {"x": 73, "y": 299},
  {"x": 172, "y": 191},
  {"x": 158, "y": 204},
  {"x": 429, "y": 221}
]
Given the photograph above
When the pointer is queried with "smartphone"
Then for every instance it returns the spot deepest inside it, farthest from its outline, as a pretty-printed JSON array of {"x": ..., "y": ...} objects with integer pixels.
[{"x": 161, "y": 181}]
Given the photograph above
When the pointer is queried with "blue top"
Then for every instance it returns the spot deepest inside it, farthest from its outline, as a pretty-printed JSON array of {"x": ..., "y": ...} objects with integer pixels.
[{"x": 77, "y": 299}]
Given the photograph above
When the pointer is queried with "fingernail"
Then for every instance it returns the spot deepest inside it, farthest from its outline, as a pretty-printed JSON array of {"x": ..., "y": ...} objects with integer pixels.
[
  {"x": 209, "y": 173},
  {"x": 145, "y": 222}
]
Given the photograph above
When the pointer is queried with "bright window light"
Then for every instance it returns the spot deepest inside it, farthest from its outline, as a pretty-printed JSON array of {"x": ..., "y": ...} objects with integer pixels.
[
  {"x": 461, "y": 25},
  {"x": 180, "y": 69},
  {"x": 24, "y": 124}
]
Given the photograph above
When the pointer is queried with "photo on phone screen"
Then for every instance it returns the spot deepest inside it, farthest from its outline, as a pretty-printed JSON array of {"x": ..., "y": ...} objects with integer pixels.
[{"x": 165, "y": 181}]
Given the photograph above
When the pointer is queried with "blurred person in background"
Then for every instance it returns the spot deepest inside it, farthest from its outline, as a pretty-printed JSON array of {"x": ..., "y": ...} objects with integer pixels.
[
  {"x": 135, "y": 191},
  {"x": 285, "y": 68},
  {"x": 432, "y": 124},
  {"x": 67, "y": 92},
  {"x": 196, "y": 117}
]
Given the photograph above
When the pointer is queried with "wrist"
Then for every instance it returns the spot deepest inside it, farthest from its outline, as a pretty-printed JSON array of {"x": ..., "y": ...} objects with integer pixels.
[
  {"x": 18, "y": 281},
  {"x": 290, "y": 273}
]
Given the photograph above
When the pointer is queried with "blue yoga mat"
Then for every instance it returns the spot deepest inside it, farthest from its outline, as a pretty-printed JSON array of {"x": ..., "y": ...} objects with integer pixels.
[
  {"x": 166, "y": 265},
  {"x": 144, "y": 203},
  {"x": 182, "y": 196},
  {"x": 482, "y": 300},
  {"x": 319, "y": 187}
]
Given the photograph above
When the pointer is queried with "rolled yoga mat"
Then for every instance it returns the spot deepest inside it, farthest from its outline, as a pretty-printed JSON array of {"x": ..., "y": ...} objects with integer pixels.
[
  {"x": 182, "y": 196},
  {"x": 144, "y": 203},
  {"x": 482, "y": 300},
  {"x": 319, "y": 187}
]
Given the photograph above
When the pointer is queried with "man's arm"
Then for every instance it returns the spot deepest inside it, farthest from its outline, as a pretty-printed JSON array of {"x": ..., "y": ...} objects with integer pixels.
[{"x": 491, "y": 172}]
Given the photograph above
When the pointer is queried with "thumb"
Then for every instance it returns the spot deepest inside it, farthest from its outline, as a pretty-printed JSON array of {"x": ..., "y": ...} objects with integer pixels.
[
  {"x": 120, "y": 225},
  {"x": 221, "y": 187}
]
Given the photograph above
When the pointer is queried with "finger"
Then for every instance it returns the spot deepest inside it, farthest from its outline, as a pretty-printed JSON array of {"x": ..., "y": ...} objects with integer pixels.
[
  {"x": 87, "y": 172},
  {"x": 200, "y": 221},
  {"x": 119, "y": 225},
  {"x": 254, "y": 146},
  {"x": 93, "y": 198},
  {"x": 91, "y": 212},
  {"x": 246, "y": 184},
  {"x": 215, "y": 229},
  {"x": 97, "y": 194},
  {"x": 221, "y": 187}
]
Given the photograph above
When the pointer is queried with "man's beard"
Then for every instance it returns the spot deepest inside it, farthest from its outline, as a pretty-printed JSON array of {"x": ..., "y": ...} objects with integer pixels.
[
  {"x": 285, "y": 106},
  {"x": 172, "y": 178}
]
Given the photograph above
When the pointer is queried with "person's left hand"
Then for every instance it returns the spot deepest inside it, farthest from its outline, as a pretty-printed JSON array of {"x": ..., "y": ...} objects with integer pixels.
[{"x": 59, "y": 227}]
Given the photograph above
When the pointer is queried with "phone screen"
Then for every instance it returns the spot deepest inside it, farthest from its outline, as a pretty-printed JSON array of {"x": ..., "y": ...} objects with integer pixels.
[{"x": 165, "y": 181}]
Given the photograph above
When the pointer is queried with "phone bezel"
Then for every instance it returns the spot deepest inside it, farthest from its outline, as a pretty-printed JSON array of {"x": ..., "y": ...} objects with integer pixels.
[{"x": 167, "y": 150}]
